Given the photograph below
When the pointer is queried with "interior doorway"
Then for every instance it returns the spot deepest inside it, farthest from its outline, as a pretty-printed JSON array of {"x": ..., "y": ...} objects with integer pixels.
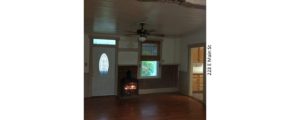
[{"x": 197, "y": 72}]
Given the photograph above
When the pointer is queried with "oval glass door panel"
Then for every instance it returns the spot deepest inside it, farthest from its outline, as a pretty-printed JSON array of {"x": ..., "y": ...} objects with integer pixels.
[{"x": 104, "y": 64}]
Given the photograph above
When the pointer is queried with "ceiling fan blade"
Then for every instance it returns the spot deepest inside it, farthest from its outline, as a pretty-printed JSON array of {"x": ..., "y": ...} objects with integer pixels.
[
  {"x": 151, "y": 31},
  {"x": 131, "y": 31},
  {"x": 156, "y": 34},
  {"x": 130, "y": 34}
]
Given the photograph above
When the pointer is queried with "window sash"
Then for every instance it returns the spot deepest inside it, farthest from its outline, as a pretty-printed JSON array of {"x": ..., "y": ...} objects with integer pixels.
[
  {"x": 155, "y": 56},
  {"x": 97, "y": 41},
  {"x": 149, "y": 68}
]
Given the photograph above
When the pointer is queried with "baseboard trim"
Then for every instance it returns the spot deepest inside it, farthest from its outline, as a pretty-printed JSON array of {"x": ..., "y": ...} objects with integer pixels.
[
  {"x": 92, "y": 97},
  {"x": 157, "y": 90}
]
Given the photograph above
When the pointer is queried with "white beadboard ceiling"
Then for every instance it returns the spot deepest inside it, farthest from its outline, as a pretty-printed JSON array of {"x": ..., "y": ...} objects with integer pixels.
[{"x": 119, "y": 16}]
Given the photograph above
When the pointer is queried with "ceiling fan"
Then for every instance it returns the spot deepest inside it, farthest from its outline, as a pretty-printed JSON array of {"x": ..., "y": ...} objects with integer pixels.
[{"x": 143, "y": 33}]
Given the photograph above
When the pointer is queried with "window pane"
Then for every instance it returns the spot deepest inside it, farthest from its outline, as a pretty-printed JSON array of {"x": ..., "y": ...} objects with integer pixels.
[
  {"x": 104, "y": 42},
  {"x": 197, "y": 68},
  {"x": 149, "y": 68},
  {"x": 149, "y": 49},
  {"x": 104, "y": 64}
]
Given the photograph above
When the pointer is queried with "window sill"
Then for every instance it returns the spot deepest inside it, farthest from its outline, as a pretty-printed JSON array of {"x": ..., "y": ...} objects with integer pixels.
[{"x": 149, "y": 78}]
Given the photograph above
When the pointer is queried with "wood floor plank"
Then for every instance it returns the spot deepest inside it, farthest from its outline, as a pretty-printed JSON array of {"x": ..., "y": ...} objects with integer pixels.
[{"x": 144, "y": 107}]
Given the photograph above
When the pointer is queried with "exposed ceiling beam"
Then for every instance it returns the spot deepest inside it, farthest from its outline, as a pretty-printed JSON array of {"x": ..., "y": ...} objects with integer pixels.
[{"x": 198, "y": 4}]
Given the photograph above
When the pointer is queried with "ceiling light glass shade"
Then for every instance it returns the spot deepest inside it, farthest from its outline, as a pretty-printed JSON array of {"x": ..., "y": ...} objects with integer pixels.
[{"x": 142, "y": 39}]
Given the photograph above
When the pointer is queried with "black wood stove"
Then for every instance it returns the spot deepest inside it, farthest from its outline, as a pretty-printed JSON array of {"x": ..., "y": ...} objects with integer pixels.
[{"x": 129, "y": 85}]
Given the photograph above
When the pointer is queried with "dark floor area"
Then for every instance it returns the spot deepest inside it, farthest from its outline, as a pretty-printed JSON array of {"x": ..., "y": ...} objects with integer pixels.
[{"x": 144, "y": 107}]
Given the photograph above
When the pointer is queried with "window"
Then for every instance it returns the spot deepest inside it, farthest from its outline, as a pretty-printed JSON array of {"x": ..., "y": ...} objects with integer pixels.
[
  {"x": 149, "y": 49},
  {"x": 104, "y": 64},
  {"x": 149, "y": 60},
  {"x": 104, "y": 41},
  {"x": 149, "y": 68},
  {"x": 197, "y": 68}
]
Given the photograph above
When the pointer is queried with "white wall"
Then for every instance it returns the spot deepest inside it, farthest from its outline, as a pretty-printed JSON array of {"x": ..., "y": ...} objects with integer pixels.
[
  {"x": 174, "y": 51},
  {"x": 128, "y": 57},
  {"x": 86, "y": 52},
  {"x": 185, "y": 41},
  {"x": 198, "y": 37},
  {"x": 170, "y": 50}
]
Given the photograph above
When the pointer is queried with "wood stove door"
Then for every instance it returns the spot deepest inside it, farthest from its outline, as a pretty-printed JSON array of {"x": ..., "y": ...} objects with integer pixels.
[{"x": 104, "y": 69}]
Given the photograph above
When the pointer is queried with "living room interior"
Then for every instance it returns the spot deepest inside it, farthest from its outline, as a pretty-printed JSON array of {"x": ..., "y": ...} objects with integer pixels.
[{"x": 143, "y": 58}]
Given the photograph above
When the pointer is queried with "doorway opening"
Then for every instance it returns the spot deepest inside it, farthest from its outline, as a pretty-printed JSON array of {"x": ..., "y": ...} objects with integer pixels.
[{"x": 197, "y": 72}]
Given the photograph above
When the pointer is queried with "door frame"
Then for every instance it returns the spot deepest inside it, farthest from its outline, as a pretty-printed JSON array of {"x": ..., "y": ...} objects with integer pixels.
[
  {"x": 204, "y": 69},
  {"x": 102, "y": 36}
]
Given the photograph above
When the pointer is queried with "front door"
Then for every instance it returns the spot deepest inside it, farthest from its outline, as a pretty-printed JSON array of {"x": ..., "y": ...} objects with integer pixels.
[{"x": 104, "y": 69}]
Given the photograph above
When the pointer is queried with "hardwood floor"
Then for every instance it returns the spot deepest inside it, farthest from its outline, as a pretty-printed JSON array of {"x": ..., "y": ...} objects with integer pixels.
[{"x": 144, "y": 107}]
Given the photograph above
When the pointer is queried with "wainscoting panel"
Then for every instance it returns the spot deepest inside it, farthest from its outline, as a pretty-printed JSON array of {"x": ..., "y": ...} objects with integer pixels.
[{"x": 158, "y": 90}]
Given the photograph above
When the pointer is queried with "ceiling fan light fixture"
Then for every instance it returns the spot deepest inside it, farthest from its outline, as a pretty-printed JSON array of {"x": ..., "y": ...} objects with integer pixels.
[{"x": 142, "y": 38}]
